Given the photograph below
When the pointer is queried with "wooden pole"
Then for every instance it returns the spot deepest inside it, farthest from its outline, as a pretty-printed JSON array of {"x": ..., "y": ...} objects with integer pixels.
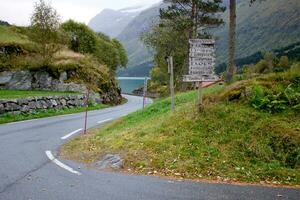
[
  {"x": 86, "y": 110},
  {"x": 145, "y": 92},
  {"x": 171, "y": 64},
  {"x": 200, "y": 96}
]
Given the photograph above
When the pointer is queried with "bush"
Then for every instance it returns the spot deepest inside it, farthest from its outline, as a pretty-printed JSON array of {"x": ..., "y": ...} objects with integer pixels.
[
  {"x": 273, "y": 101},
  {"x": 84, "y": 40},
  {"x": 268, "y": 64},
  {"x": 81, "y": 38}
]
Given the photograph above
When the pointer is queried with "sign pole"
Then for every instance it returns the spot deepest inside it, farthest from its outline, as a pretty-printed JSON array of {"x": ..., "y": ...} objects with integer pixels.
[
  {"x": 145, "y": 92},
  {"x": 200, "y": 96},
  {"x": 171, "y": 65},
  {"x": 86, "y": 110}
]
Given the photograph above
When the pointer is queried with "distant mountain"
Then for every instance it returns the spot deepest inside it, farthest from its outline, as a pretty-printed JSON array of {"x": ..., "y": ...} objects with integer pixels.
[
  {"x": 130, "y": 36},
  {"x": 127, "y": 25},
  {"x": 112, "y": 22}
]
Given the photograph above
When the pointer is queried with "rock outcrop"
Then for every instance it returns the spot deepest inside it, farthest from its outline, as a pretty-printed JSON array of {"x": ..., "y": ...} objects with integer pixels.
[{"x": 42, "y": 80}]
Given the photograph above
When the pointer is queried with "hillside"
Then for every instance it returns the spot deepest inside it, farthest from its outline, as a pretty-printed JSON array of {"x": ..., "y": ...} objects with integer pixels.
[
  {"x": 8, "y": 35},
  {"x": 112, "y": 22},
  {"x": 255, "y": 145},
  {"x": 257, "y": 29},
  {"x": 260, "y": 25},
  {"x": 130, "y": 36}
]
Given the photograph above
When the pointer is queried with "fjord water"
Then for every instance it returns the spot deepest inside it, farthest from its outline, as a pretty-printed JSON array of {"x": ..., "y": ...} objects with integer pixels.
[{"x": 129, "y": 84}]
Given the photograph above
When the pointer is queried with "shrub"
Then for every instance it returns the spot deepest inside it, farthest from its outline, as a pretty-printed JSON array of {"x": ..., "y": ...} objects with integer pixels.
[
  {"x": 273, "y": 101},
  {"x": 84, "y": 40},
  {"x": 81, "y": 38},
  {"x": 283, "y": 64}
]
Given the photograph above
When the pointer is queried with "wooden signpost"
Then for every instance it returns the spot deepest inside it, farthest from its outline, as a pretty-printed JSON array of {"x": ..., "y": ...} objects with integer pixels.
[
  {"x": 201, "y": 63},
  {"x": 171, "y": 72},
  {"x": 145, "y": 91}
]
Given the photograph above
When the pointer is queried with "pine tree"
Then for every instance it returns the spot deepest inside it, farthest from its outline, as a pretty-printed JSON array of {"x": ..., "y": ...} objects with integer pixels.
[{"x": 192, "y": 15}]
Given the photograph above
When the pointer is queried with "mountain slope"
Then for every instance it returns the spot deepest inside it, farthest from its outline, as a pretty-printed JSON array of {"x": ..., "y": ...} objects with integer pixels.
[
  {"x": 265, "y": 26},
  {"x": 112, "y": 22},
  {"x": 130, "y": 36}
]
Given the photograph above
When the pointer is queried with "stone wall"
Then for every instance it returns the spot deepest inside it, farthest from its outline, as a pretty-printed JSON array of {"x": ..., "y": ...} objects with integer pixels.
[
  {"x": 29, "y": 105},
  {"x": 42, "y": 80},
  {"x": 39, "y": 80}
]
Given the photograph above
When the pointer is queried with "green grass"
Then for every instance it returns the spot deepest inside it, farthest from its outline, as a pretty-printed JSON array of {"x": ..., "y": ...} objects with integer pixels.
[
  {"x": 7, "y": 118},
  {"x": 9, "y": 36},
  {"x": 228, "y": 141},
  {"x": 19, "y": 94}
]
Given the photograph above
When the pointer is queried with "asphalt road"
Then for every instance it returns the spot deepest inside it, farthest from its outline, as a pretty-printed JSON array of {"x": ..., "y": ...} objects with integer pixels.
[{"x": 27, "y": 173}]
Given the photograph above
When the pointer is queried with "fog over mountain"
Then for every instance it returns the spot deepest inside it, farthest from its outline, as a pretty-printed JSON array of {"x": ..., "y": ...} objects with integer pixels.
[{"x": 113, "y": 22}]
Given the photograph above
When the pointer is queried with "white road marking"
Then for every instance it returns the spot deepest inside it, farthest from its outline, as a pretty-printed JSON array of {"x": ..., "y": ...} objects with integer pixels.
[
  {"x": 60, "y": 164},
  {"x": 103, "y": 121},
  {"x": 70, "y": 134}
]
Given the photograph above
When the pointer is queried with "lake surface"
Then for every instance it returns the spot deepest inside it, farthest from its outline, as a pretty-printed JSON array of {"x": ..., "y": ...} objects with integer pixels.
[{"x": 128, "y": 84}]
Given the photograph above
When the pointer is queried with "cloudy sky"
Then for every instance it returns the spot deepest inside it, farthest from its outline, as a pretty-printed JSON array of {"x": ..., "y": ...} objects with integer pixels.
[{"x": 18, "y": 11}]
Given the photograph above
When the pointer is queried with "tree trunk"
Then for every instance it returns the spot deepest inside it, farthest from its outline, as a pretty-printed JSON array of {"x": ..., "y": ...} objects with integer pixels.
[
  {"x": 192, "y": 35},
  {"x": 232, "y": 41}
]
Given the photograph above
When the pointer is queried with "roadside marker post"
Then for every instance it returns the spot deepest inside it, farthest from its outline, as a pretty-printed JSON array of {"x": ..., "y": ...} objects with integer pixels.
[
  {"x": 86, "y": 111},
  {"x": 145, "y": 91},
  {"x": 171, "y": 72}
]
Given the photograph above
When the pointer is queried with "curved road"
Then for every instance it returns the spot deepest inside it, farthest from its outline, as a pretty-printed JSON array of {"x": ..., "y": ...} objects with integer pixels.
[{"x": 28, "y": 173}]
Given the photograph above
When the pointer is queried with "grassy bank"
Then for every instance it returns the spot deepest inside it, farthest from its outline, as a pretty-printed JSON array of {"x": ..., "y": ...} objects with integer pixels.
[
  {"x": 230, "y": 140},
  {"x": 7, "y": 118},
  {"x": 9, "y": 36},
  {"x": 19, "y": 94}
]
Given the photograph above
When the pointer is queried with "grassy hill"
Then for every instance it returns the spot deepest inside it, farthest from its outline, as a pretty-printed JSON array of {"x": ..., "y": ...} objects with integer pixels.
[
  {"x": 231, "y": 140},
  {"x": 8, "y": 35}
]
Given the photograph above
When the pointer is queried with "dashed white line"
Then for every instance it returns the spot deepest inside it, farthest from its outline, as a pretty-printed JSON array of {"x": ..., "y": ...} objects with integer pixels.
[
  {"x": 70, "y": 134},
  {"x": 103, "y": 121},
  {"x": 60, "y": 164}
]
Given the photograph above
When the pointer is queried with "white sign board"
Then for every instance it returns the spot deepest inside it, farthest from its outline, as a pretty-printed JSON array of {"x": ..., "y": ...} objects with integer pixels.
[
  {"x": 201, "y": 60},
  {"x": 197, "y": 78}
]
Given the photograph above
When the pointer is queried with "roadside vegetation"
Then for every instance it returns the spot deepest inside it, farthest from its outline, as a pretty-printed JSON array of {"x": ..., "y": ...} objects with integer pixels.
[
  {"x": 248, "y": 132},
  {"x": 7, "y": 118},
  {"x": 88, "y": 57},
  {"x": 19, "y": 94},
  {"x": 47, "y": 45}
]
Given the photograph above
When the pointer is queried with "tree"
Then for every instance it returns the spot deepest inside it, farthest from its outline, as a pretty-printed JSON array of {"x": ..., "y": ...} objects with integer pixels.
[
  {"x": 122, "y": 54},
  {"x": 193, "y": 14},
  {"x": 179, "y": 22},
  {"x": 82, "y": 38},
  {"x": 45, "y": 24},
  {"x": 232, "y": 41}
]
